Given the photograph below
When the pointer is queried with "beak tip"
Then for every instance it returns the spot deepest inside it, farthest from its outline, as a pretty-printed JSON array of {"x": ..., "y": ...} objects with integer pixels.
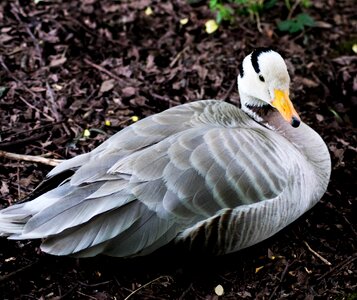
[{"x": 295, "y": 122}]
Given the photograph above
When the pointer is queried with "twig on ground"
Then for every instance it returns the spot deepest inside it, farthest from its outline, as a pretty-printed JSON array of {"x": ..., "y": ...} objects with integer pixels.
[
  {"x": 22, "y": 141},
  {"x": 145, "y": 285},
  {"x": 49, "y": 93},
  {"x": 324, "y": 260},
  {"x": 178, "y": 56},
  {"x": 281, "y": 280},
  {"x": 27, "y": 131},
  {"x": 31, "y": 158},
  {"x": 94, "y": 284},
  {"x": 35, "y": 108},
  {"x": 12, "y": 76},
  {"x": 164, "y": 98},
  {"x": 87, "y": 296},
  {"x": 101, "y": 69},
  {"x": 351, "y": 225},
  {"x": 31, "y": 35},
  {"x": 16, "y": 272},
  {"x": 229, "y": 91},
  {"x": 185, "y": 292},
  {"x": 296, "y": 4},
  {"x": 339, "y": 266}
]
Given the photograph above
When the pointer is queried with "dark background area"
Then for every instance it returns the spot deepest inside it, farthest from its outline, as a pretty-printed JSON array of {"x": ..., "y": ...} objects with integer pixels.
[{"x": 68, "y": 66}]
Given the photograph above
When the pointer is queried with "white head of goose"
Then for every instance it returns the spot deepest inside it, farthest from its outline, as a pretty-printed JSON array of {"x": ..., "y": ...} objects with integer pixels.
[{"x": 205, "y": 173}]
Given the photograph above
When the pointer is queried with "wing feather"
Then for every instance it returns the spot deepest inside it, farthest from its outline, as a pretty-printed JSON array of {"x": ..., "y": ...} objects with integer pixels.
[{"x": 160, "y": 176}]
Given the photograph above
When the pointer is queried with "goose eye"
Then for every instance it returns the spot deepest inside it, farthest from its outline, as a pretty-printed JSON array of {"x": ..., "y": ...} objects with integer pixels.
[{"x": 261, "y": 78}]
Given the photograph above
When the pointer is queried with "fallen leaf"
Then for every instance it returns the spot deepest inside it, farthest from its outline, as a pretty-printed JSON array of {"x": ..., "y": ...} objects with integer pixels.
[
  {"x": 271, "y": 254},
  {"x": 319, "y": 117},
  {"x": 4, "y": 188},
  {"x": 128, "y": 91},
  {"x": 106, "y": 85},
  {"x": 57, "y": 87},
  {"x": 211, "y": 26},
  {"x": 5, "y": 38},
  {"x": 258, "y": 269},
  {"x": 86, "y": 133},
  {"x": 38, "y": 89},
  {"x": 148, "y": 11},
  {"x": 58, "y": 61},
  {"x": 219, "y": 290},
  {"x": 135, "y": 118},
  {"x": 184, "y": 21},
  {"x": 345, "y": 60},
  {"x": 309, "y": 83}
]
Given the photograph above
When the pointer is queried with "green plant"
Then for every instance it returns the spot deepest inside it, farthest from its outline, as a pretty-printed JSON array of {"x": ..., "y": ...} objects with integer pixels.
[
  {"x": 296, "y": 24},
  {"x": 225, "y": 10},
  {"x": 303, "y": 3}
]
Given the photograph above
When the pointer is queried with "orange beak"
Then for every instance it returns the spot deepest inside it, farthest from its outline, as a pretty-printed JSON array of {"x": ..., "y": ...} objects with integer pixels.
[{"x": 283, "y": 104}]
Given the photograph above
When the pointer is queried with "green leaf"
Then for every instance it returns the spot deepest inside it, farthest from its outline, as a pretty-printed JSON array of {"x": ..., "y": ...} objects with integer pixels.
[
  {"x": 213, "y": 4},
  {"x": 306, "y": 3},
  {"x": 305, "y": 19},
  {"x": 284, "y": 25},
  {"x": 269, "y": 4},
  {"x": 296, "y": 26},
  {"x": 219, "y": 17}
]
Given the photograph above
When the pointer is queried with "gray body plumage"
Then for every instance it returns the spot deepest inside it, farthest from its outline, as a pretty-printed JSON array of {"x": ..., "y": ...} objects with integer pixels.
[{"x": 200, "y": 171}]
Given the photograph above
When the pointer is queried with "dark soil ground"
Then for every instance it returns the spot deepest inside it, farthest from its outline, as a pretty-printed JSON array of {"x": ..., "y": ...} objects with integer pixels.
[{"x": 68, "y": 66}]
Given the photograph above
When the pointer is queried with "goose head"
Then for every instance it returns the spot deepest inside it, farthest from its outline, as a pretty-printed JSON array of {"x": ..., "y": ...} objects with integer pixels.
[{"x": 263, "y": 82}]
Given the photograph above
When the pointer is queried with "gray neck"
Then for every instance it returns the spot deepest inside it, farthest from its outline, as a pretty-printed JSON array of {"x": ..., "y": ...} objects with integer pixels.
[{"x": 309, "y": 143}]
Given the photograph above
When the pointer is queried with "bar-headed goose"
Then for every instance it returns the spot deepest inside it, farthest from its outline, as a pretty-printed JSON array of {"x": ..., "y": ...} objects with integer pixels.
[{"x": 206, "y": 173}]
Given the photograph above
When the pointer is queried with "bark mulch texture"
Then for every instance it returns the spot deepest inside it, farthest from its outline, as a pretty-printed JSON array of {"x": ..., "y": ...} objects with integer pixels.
[{"x": 75, "y": 67}]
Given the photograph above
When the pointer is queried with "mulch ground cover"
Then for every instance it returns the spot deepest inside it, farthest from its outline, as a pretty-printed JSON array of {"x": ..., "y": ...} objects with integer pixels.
[{"x": 72, "y": 73}]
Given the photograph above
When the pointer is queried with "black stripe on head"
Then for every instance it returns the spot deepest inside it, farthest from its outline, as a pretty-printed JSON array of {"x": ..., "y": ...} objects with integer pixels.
[{"x": 255, "y": 55}]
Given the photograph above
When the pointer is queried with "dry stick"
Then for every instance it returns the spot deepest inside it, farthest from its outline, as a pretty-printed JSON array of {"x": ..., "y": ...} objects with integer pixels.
[
  {"x": 2, "y": 63},
  {"x": 164, "y": 98},
  {"x": 293, "y": 9},
  {"x": 31, "y": 158},
  {"x": 8, "y": 276},
  {"x": 94, "y": 284},
  {"x": 22, "y": 141},
  {"x": 29, "y": 130},
  {"x": 29, "y": 32},
  {"x": 88, "y": 296},
  {"x": 317, "y": 255},
  {"x": 259, "y": 25},
  {"x": 35, "y": 42},
  {"x": 281, "y": 280},
  {"x": 339, "y": 266},
  {"x": 101, "y": 69},
  {"x": 145, "y": 285},
  {"x": 35, "y": 108},
  {"x": 226, "y": 95},
  {"x": 178, "y": 56},
  {"x": 351, "y": 226}
]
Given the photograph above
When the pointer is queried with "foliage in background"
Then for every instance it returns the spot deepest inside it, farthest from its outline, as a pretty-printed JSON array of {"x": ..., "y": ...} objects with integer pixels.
[
  {"x": 296, "y": 24},
  {"x": 225, "y": 10}
]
